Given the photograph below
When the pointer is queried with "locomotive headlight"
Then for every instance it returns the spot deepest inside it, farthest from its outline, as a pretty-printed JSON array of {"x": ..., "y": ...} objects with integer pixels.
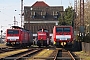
[{"x": 54, "y": 42}]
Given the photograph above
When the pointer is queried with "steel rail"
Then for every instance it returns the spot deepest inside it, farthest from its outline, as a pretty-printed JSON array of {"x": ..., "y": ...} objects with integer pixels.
[{"x": 71, "y": 55}]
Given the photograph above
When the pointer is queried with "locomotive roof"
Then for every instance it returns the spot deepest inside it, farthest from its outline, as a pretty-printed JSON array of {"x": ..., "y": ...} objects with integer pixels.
[
  {"x": 17, "y": 27},
  {"x": 45, "y": 30},
  {"x": 63, "y": 26}
]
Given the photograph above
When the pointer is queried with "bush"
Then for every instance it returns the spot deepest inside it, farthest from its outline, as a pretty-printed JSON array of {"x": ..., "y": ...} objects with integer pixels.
[{"x": 86, "y": 38}]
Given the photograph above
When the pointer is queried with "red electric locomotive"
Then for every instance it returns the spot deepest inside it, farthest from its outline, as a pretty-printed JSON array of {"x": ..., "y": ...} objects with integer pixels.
[
  {"x": 43, "y": 37},
  {"x": 63, "y": 35},
  {"x": 18, "y": 36}
]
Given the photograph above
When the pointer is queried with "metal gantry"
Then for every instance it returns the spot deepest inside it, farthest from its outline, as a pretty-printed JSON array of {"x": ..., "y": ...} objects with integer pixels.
[
  {"x": 75, "y": 16},
  {"x": 81, "y": 23},
  {"x": 22, "y": 14},
  {"x": 82, "y": 27},
  {"x": 81, "y": 12}
]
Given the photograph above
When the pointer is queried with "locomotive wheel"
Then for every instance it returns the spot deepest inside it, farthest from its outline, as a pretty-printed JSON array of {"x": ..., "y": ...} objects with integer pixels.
[
  {"x": 38, "y": 43},
  {"x": 8, "y": 44},
  {"x": 39, "y": 46}
]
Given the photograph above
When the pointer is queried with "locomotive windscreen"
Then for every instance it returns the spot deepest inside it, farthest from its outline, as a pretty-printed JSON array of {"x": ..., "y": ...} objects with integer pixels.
[
  {"x": 67, "y": 29},
  {"x": 63, "y": 29},
  {"x": 45, "y": 30},
  {"x": 12, "y": 31}
]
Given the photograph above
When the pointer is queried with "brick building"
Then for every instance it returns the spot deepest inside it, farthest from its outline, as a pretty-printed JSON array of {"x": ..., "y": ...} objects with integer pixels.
[{"x": 40, "y": 15}]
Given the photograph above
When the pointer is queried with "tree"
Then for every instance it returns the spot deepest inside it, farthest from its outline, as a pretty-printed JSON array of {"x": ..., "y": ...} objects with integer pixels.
[
  {"x": 87, "y": 15},
  {"x": 86, "y": 19},
  {"x": 68, "y": 17}
]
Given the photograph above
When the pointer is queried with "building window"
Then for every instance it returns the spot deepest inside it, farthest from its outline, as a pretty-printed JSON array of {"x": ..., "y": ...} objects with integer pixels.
[
  {"x": 33, "y": 17},
  {"x": 33, "y": 13},
  {"x": 43, "y": 16},
  {"x": 55, "y": 17},
  {"x": 41, "y": 13},
  {"x": 55, "y": 13}
]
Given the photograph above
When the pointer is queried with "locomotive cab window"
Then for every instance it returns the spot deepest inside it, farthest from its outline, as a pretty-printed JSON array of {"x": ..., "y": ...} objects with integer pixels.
[
  {"x": 63, "y": 29},
  {"x": 13, "y": 32},
  {"x": 46, "y": 30},
  {"x": 66, "y": 29},
  {"x": 40, "y": 30},
  {"x": 59, "y": 29}
]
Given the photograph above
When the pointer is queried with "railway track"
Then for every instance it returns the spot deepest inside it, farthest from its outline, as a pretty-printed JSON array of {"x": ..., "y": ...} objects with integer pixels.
[
  {"x": 57, "y": 54},
  {"x": 45, "y": 54},
  {"x": 22, "y": 55},
  {"x": 39, "y": 53},
  {"x": 7, "y": 49},
  {"x": 66, "y": 55}
]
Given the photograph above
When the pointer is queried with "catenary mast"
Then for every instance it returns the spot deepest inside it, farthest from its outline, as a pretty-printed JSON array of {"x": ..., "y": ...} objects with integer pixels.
[
  {"x": 81, "y": 12},
  {"x": 22, "y": 22},
  {"x": 75, "y": 16}
]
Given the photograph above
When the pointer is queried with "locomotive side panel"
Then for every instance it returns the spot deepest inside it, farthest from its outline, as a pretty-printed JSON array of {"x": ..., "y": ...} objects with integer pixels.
[{"x": 19, "y": 36}]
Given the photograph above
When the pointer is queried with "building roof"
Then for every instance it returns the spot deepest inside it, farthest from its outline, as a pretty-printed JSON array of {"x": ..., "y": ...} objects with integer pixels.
[{"x": 40, "y": 4}]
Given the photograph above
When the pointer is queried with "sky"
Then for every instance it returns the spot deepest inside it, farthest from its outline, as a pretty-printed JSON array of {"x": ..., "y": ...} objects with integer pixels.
[{"x": 11, "y": 8}]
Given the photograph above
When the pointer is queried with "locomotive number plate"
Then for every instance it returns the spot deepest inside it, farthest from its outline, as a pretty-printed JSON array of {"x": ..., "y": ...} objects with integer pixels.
[
  {"x": 63, "y": 39},
  {"x": 13, "y": 39}
]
